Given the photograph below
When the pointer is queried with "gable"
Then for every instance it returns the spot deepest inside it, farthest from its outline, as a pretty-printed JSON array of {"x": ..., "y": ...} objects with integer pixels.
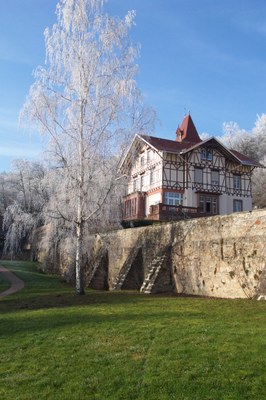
[{"x": 230, "y": 155}]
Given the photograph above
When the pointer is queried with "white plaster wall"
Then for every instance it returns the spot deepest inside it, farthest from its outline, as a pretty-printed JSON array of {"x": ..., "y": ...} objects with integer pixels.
[
  {"x": 151, "y": 200},
  {"x": 247, "y": 203},
  {"x": 223, "y": 204},
  {"x": 190, "y": 198}
]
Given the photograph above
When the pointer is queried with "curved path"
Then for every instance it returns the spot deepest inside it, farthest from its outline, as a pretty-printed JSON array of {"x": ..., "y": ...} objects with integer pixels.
[{"x": 16, "y": 283}]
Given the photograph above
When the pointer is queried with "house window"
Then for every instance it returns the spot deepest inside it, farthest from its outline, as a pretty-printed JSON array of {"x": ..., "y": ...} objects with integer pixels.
[
  {"x": 208, "y": 204},
  {"x": 206, "y": 154},
  {"x": 198, "y": 175},
  {"x": 130, "y": 208},
  {"x": 173, "y": 199},
  {"x": 148, "y": 156},
  {"x": 237, "y": 182},
  {"x": 152, "y": 176},
  {"x": 215, "y": 178},
  {"x": 127, "y": 208},
  {"x": 157, "y": 176},
  {"x": 142, "y": 161},
  {"x": 237, "y": 205},
  {"x": 134, "y": 185},
  {"x": 141, "y": 182}
]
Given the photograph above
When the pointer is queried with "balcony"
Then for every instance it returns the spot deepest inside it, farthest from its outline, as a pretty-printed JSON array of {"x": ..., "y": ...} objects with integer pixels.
[
  {"x": 134, "y": 210},
  {"x": 165, "y": 212},
  {"x": 134, "y": 206}
]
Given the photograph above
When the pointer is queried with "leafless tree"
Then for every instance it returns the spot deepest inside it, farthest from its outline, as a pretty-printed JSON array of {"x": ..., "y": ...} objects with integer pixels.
[{"x": 86, "y": 100}]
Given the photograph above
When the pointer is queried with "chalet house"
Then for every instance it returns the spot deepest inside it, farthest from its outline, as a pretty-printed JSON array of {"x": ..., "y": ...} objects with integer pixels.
[{"x": 186, "y": 177}]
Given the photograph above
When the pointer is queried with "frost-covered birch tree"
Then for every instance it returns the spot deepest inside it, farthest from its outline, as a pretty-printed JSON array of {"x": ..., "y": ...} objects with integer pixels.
[
  {"x": 85, "y": 99},
  {"x": 6, "y": 192},
  {"x": 253, "y": 144},
  {"x": 25, "y": 212}
]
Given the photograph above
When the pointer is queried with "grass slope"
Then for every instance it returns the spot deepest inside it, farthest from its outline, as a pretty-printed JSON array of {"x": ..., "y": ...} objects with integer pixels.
[{"x": 55, "y": 345}]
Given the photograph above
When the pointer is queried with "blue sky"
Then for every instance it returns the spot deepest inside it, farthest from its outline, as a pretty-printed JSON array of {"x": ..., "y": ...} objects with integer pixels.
[{"x": 203, "y": 56}]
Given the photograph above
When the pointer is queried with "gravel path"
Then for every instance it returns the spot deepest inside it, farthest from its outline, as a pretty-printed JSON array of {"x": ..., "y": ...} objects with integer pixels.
[{"x": 16, "y": 283}]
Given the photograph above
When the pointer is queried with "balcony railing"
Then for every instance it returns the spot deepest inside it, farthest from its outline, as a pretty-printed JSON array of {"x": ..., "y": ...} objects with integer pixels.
[{"x": 166, "y": 212}]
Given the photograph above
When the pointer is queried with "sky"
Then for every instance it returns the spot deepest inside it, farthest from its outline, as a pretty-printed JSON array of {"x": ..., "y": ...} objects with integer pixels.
[{"x": 205, "y": 57}]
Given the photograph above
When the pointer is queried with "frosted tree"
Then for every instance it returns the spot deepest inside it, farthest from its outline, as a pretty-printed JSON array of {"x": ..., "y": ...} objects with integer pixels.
[
  {"x": 25, "y": 212},
  {"x": 239, "y": 139},
  {"x": 259, "y": 133},
  {"x": 86, "y": 100},
  {"x": 252, "y": 144},
  {"x": 259, "y": 176},
  {"x": 7, "y": 193}
]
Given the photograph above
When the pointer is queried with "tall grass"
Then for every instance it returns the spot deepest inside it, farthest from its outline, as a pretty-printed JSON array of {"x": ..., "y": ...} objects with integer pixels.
[{"x": 55, "y": 345}]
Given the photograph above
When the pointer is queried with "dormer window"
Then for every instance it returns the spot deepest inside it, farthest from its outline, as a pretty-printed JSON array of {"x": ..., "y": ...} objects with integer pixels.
[{"x": 206, "y": 154}]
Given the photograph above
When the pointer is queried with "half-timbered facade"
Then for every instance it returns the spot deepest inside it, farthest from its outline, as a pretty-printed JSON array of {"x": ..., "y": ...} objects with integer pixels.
[{"x": 170, "y": 179}]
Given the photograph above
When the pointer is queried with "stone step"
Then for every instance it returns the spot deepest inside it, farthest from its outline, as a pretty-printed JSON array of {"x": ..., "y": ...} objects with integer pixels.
[
  {"x": 96, "y": 266},
  {"x": 154, "y": 268},
  {"x": 153, "y": 272},
  {"x": 119, "y": 280}
]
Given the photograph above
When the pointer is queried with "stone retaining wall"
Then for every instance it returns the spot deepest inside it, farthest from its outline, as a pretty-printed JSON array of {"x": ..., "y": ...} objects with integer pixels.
[{"x": 221, "y": 256}]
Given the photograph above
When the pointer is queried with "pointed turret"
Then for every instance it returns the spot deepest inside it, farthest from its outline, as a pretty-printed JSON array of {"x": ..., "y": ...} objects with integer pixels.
[{"x": 187, "y": 131}]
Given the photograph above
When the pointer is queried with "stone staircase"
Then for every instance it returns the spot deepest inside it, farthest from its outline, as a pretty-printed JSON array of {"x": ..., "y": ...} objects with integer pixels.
[
  {"x": 120, "y": 279},
  {"x": 154, "y": 270},
  {"x": 96, "y": 265}
]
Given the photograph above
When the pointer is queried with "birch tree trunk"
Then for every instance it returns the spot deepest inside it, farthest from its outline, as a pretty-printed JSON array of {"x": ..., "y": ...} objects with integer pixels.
[
  {"x": 80, "y": 212},
  {"x": 79, "y": 248}
]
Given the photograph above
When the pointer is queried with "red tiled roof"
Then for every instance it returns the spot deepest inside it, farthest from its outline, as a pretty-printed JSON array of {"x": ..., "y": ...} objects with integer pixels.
[
  {"x": 245, "y": 159},
  {"x": 167, "y": 145},
  {"x": 172, "y": 146}
]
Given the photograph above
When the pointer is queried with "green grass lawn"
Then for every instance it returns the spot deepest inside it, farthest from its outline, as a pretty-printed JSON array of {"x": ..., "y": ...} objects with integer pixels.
[{"x": 56, "y": 345}]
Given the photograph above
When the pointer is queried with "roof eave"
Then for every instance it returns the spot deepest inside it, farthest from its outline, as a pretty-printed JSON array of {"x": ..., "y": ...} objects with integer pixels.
[
  {"x": 140, "y": 137},
  {"x": 127, "y": 153}
]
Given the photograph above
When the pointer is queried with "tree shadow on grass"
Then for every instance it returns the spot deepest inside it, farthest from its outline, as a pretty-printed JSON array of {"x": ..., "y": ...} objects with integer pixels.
[
  {"x": 62, "y": 300},
  {"x": 95, "y": 309},
  {"x": 94, "y": 314}
]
